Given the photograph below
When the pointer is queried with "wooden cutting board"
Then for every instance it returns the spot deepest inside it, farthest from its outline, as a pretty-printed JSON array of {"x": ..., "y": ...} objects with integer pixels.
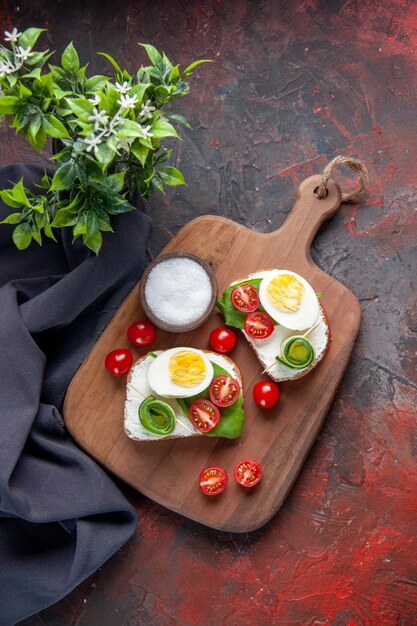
[{"x": 280, "y": 438}]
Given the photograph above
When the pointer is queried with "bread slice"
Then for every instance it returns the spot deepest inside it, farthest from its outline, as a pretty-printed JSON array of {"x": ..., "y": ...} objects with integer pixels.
[
  {"x": 138, "y": 389},
  {"x": 267, "y": 349}
]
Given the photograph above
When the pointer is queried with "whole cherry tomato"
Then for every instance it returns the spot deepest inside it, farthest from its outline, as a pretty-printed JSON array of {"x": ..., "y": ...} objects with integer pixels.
[
  {"x": 266, "y": 394},
  {"x": 118, "y": 362},
  {"x": 141, "y": 333},
  {"x": 222, "y": 340}
]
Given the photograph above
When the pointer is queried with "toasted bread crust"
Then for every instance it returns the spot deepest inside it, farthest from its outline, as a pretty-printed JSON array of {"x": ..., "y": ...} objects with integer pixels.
[{"x": 233, "y": 366}]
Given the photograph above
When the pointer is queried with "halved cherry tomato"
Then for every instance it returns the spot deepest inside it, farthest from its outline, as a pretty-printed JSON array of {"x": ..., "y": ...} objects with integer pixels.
[
  {"x": 118, "y": 362},
  {"x": 213, "y": 480},
  {"x": 266, "y": 394},
  {"x": 259, "y": 325},
  {"x": 248, "y": 473},
  {"x": 222, "y": 340},
  {"x": 224, "y": 390},
  {"x": 203, "y": 415},
  {"x": 141, "y": 333},
  {"x": 245, "y": 298}
]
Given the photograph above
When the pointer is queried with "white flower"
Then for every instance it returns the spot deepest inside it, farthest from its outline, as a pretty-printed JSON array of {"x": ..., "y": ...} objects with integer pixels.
[
  {"x": 24, "y": 53},
  {"x": 99, "y": 117},
  {"x": 128, "y": 102},
  {"x": 92, "y": 143},
  {"x": 146, "y": 133},
  {"x": 95, "y": 100},
  {"x": 122, "y": 88},
  {"x": 6, "y": 67},
  {"x": 13, "y": 36},
  {"x": 146, "y": 110}
]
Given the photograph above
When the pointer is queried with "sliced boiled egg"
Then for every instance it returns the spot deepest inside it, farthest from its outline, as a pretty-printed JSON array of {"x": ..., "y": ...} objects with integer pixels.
[
  {"x": 180, "y": 373},
  {"x": 289, "y": 299}
]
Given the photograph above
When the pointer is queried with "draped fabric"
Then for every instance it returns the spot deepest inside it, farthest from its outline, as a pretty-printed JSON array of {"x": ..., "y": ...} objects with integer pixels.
[{"x": 61, "y": 516}]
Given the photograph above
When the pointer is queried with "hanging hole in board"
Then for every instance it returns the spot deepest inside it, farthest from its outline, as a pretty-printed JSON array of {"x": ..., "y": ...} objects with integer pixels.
[{"x": 320, "y": 196}]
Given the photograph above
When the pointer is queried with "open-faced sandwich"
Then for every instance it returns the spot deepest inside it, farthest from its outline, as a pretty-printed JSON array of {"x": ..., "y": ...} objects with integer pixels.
[
  {"x": 183, "y": 392},
  {"x": 280, "y": 315}
]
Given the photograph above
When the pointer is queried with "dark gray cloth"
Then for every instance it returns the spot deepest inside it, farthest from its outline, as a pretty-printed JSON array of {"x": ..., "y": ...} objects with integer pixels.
[{"x": 61, "y": 516}]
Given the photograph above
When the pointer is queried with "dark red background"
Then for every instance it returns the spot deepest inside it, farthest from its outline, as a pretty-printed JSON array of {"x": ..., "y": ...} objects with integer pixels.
[{"x": 293, "y": 84}]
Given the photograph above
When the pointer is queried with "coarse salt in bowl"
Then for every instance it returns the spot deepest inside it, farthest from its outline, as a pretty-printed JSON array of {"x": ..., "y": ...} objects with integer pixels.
[{"x": 178, "y": 291}]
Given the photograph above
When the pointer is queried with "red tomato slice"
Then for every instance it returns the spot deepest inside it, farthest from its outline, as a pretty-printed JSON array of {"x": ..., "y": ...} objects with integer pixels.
[
  {"x": 203, "y": 415},
  {"x": 224, "y": 390},
  {"x": 245, "y": 298},
  {"x": 213, "y": 480},
  {"x": 248, "y": 473},
  {"x": 259, "y": 325}
]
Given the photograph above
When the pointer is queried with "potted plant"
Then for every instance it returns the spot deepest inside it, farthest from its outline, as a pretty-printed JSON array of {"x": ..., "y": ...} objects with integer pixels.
[{"x": 108, "y": 132}]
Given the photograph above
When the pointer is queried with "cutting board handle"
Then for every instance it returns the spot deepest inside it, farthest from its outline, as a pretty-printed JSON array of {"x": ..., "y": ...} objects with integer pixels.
[{"x": 308, "y": 213}]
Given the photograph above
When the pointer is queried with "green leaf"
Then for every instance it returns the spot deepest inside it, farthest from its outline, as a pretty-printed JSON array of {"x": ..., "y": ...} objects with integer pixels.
[
  {"x": 8, "y": 104},
  {"x": 81, "y": 107},
  {"x": 139, "y": 151},
  {"x": 8, "y": 198},
  {"x": 153, "y": 54},
  {"x": 179, "y": 118},
  {"x": 69, "y": 59},
  {"x": 232, "y": 418},
  {"x": 162, "y": 128},
  {"x": 116, "y": 181},
  {"x": 54, "y": 128},
  {"x": 112, "y": 61},
  {"x": 64, "y": 217},
  {"x": 95, "y": 83},
  {"x": 19, "y": 193},
  {"x": 24, "y": 92},
  {"x": 48, "y": 232},
  {"x": 170, "y": 175},
  {"x": 36, "y": 234},
  {"x": 13, "y": 218},
  {"x": 39, "y": 141},
  {"x": 63, "y": 177},
  {"x": 122, "y": 206},
  {"x": 190, "y": 68},
  {"x": 232, "y": 316},
  {"x": 174, "y": 74},
  {"x": 93, "y": 241},
  {"x": 130, "y": 129},
  {"x": 30, "y": 36},
  {"x": 22, "y": 236},
  {"x": 104, "y": 154},
  {"x": 138, "y": 90},
  {"x": 36, "y": 73}
]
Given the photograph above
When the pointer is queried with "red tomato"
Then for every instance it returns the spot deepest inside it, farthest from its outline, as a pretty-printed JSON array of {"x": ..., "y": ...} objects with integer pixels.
[
  {"x": 259, "y": 325},
  {"x": 245, "y": 298},
  {"x": 248, "y": 473},
  {"x": 119, "y": 362},
  {"x": 224, "y": 390},
  {"x": 266, "y": 394},
  {"x": 213, "y": 480},
  {"x": 203, "y": 415},
  {"x": 141, "y": 333},
  {"x": 222, "y": 340}
]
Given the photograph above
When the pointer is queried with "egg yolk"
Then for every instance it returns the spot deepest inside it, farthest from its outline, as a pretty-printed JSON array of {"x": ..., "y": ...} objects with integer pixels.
[
  {"x": 187, "y": 368},
  {"x": 286, "y": 293}
]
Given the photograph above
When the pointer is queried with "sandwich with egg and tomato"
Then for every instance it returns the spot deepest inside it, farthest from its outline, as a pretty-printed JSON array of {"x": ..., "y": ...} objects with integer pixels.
[
  {"x": 183, "y": 392},
  {"x": 281, "y": 317}
]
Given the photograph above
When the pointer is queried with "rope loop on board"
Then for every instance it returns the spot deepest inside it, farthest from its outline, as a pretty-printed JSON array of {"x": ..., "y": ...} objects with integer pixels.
[{"x": 357, "y": 166}]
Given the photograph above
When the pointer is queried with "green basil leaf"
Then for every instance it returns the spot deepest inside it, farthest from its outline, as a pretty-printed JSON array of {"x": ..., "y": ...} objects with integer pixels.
[
  {"x": 22, "y": 236},
  {"x": 69, "y": 59},
  {"x": 170, "y": 175},
  {"x": 232, "y": 417}
]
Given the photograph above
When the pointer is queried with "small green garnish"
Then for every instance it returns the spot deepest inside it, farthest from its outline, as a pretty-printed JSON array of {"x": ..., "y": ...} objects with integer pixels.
[
  {"x": 296, "y": 352},
  {"x": 156, "y": 416}
]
